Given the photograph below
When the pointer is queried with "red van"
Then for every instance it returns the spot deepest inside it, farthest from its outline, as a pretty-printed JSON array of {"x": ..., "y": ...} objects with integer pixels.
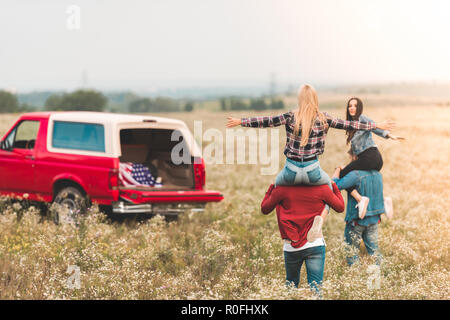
[{"x": 122, "y": 162}]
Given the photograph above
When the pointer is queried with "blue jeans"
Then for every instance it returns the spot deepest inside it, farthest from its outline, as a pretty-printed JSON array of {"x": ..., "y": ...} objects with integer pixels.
[
  {"x": 369, "y": 234},
  {"x": 351, "y": 179},
  {"x": 306, "y": 173},
  {"x": 314, "y": 259}
]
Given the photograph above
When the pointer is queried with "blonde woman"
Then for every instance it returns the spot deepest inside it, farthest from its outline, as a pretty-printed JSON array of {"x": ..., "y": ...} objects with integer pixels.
[{"x": 306, "y": 130}]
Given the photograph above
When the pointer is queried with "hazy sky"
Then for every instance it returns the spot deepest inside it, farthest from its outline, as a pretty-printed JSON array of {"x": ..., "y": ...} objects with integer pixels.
[{"x": 142, "y": 45}]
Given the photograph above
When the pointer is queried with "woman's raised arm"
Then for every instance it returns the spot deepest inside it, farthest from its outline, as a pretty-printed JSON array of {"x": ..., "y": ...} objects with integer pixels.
[
  {"x": 358, "y": 125},
  {"x": 391, "y": 136},
  {"x": 233, "y": 122},
  {"x": 261, "y": 122}
]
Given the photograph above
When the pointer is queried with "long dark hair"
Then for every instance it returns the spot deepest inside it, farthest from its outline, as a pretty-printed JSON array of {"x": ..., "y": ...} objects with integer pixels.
[{"x": 359, "y": 109}]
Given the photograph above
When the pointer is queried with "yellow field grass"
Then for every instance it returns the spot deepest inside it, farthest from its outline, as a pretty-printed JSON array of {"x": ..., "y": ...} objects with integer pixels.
[{"x": 232, "y": 251}]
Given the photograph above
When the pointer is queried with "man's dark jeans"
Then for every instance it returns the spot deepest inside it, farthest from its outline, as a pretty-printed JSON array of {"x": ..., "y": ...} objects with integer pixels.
[{"x": 314, "y": 259}]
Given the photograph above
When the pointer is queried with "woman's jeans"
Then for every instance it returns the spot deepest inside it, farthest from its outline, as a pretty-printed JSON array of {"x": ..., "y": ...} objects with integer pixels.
[
  {"x": 353, "y": 234},
  {"x": 306, "y": 173},
  {"x": 314, "y": 259},
  {"x": 350, "y": 180},
  {"x": 369, "y": 159},
  {"x": 297, "y": 172}
]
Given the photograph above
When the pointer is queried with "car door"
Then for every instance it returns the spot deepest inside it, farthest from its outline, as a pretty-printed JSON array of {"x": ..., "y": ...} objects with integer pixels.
[{"x": 17, "y": 158}]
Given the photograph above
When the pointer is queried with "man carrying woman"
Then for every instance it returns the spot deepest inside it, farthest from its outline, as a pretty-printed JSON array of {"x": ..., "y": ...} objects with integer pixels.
[
  {"x": 368, "y": 183},
  {"x": 296, "y": 208},
  {"x": 303, "y": 191},
  {"x": 364, "y": 152}
]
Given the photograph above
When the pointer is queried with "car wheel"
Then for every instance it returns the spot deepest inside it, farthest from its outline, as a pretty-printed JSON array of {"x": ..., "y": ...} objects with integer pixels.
[{"x": 69, "y": 203}]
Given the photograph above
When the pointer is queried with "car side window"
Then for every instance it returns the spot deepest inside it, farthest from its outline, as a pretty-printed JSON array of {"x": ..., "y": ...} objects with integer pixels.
[
  {"x": 78, "y": 136},
  {"x": 8, "y": 142},
  {"x": 24, "y": 135}
]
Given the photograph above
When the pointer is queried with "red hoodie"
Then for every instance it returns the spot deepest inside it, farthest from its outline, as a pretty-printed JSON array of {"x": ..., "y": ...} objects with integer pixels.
[{"x": 297, "y": 206}]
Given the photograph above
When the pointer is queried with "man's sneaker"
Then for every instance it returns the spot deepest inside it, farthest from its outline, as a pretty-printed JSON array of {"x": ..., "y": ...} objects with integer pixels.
[
  {"x": 362, "y": 207},
  {"x": 316, "y": 229},
  {"x": 388, "y": 207}
]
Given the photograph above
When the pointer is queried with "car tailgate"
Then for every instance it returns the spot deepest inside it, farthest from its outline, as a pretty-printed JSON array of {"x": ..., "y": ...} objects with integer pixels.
[{"x": 140, "y": 196}]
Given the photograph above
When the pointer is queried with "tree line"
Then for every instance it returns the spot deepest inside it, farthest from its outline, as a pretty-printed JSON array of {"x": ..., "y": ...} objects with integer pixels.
[
  {"x": 237, "y": 103},
  {"x": 92, "y": 100},
  {"x": 10, "y": 103}
]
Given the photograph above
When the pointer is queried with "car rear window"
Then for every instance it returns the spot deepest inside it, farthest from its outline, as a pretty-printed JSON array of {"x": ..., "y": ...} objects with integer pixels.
[{"x": 79, "y": 136}]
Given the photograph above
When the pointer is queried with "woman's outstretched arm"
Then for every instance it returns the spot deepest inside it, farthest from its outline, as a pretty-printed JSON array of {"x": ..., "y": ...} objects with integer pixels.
[
  {"x": 387, "y": 135},
  {"x": 358, "y": 125},
  {"x": 233, "y": 122},
  {"x": 391, "y": 136},
  {"x": 377, "y": 131},
  {"x": 261, "y": 122}
]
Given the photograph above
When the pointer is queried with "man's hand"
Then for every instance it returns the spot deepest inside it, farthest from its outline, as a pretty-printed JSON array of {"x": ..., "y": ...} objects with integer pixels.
[{"x": 233, "y": 122}]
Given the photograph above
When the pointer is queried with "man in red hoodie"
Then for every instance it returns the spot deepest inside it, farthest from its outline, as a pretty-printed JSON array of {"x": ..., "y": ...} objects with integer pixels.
[{"x": 298, "y": 212}]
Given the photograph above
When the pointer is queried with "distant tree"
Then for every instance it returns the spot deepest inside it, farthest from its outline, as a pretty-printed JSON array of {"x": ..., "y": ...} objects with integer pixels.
[
  {"x": 223, "y": 104},
  {"x": 189, "y": 106},
  {"x": 86, "y": 100},
  {"x": 35, "y": 98},
  {"x": 237, "y": 104},
  {"x": 160, "y": 104},
  {"x": 8, "y": 102},
  {"x": 82, "y": 100},
  {"x": 25, "y": 107},
  {"x": 54, "y": 102},
  {"x": 120, "y": 101},
  {"x": 142, "y": 105},
  {"x": 258, "y": 104},
  {"x": 163, "y": 104},
  {"x": 277, "y": 104}
]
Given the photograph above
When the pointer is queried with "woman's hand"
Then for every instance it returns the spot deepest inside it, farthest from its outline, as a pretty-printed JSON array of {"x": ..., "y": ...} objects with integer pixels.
[
  {"x": 386, "y": 125},
  {"x": 391, "y": 136},
  {"x": 233, "y": 122},
  {"x": 337, "y": 172}
]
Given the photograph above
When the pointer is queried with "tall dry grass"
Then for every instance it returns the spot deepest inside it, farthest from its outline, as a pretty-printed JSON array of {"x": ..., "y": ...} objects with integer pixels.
[{"x": 232, "y": 251}]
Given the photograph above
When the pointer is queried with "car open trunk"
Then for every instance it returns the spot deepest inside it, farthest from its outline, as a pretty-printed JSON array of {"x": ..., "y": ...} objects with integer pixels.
[{"x": 148, "y": 151}]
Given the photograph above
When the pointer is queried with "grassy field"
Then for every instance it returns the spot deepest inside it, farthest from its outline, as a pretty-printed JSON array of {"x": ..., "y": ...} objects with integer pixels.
[{"x": 232, "y": 251}]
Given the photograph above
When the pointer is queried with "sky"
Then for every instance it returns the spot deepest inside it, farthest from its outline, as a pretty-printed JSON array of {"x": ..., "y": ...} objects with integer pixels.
[{"x": 148, "y": 45}]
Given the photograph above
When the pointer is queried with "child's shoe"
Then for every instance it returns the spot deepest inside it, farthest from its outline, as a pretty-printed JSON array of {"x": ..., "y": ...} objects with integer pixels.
[{"x": 362, "y": 207}]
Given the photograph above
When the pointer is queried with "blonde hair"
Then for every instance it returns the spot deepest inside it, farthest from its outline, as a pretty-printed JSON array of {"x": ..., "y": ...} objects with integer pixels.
[{"x": 307, "y": 113}]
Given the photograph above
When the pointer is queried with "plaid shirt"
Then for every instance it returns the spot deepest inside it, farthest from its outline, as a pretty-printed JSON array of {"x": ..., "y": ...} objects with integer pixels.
[{"x": 316, "y": 141}]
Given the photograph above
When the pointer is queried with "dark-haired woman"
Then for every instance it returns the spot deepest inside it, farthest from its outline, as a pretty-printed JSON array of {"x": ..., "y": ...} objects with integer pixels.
[{"x": 368, "y": 157}]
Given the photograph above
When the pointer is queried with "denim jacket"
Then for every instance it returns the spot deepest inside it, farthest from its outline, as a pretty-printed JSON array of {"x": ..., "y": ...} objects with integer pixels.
[
  {"x": 369, "y": 184},
  {"x": 362, "y": 140}
]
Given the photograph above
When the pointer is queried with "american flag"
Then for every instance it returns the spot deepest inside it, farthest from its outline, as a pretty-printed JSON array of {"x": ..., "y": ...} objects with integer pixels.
[{"x": 137, "y": 175}]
